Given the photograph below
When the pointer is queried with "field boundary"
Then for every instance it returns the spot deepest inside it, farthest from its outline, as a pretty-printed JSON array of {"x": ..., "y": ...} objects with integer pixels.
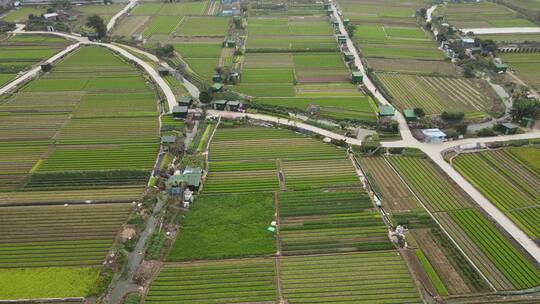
[{"x": 440, "y": 226}]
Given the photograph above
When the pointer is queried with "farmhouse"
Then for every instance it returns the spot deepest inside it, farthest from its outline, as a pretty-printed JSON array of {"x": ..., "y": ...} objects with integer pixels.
[
  {"x": 433, "y": 136},
  {"x": 180, "y": 111},
  {"x": 509, "y": 128}
]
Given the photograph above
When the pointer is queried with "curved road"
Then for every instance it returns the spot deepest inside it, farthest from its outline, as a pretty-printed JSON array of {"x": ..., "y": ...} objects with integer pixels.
[
  {"x": 129, "y": 6},
  {"x": 169, "y": 95}
]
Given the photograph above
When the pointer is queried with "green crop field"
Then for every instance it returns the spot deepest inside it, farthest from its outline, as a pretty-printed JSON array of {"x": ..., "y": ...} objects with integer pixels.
[
  {"x": 436, "y": 94},
  {"x": 372, "y": 277},
  {"x": 519, "y": 271},
  {"x": 58, "y": 235},
  {"x": 45, "y": 282},
  {"x": 204, "y": 26},
  {"x": 480, "y": 15},
  {"x": 510, "y": 186},
  {"x": 212, "y": 231},
  {"x": 525, "y": 65},
  {"x": 21, "y": 15},
  {"x": 20, "y": 53},
  {"x": 230, "y": 281},
  {"x": 430, "y": 184}
]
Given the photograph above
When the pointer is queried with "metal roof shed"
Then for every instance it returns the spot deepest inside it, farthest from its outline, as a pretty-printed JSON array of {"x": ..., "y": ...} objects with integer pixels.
[
  {"x": 509, "y": 128},
  {"x": 386, "y": 111},
  {"x": 409, "y": 115},
  {"x": 433, "y": 136}
]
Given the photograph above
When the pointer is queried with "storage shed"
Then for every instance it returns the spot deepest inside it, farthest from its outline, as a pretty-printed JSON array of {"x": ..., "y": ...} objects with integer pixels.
[
  {"x": 357, "y": 77},
  {"x": 192, "y": 178},
  {"x": 185, "y": 101},
  {"x": 180, "y": 111},
  {"x": 433, "y": 136},
  {"x": 501, "y": 67},
  {"x": 234, "y": 105},
  {"x": 216, "y": 78},
  {"x": 168, "y": 139},
  {"x": 342, "y": 39},
  {"x": 219, "y": 104},
  {"x": 386, "y": 111},
  {"x": 163, "y": 71},
  {"x": 46, "y": 67},
  {"x": 346, "y": 21},
  {"x": 509, "y": 128},
  {"x": 527, "y": 122},
  {"x": 410, "y": 115},
  {"x": 217, "y": 87},
  {"x": 467, "y": 42},
  {"x": 349, "y": 56}
]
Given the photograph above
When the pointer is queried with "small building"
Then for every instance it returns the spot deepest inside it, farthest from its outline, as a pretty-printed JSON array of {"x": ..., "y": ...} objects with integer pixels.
[
  {"x": 473, "y": 51},
  {"x": 527, "y": 122},
  {"x": 217, "y": 87},
  {"x": 509, "y": 128},
  {"x": 346, "y": 21},
  {"x": 92, "y": 36},
  {"x": 137, "y": 37},
  {"x": 229, "y": 43},
  {"x": 349, "y": 56},
  {"x": 219, "y": 105},
  {"x": 501, "y": 67},
  {"x": 192, "y": 178},
  {"x": 433, "y": 136},
  {"x": 46, "y": 67},
  {"x": 180, "y": 111},
  {"x": 334, "y": 21},
  {"x": 386, "y": 111},
  {"x": 51, "y": 16},
  {"x": 342, "y": 39},
  {"x": 168, "y": 139},
  {"x": 467, "y": 42},
  {"x": 357, "y": 77},
  {"x": 163, "y": 71},
  {"x": 174, "y": 185},
  {"x": 216, "y": 78},
  {"x": 185, "y": 101},
  {"x": 329, "y": 11},
  {"x": 234, "y": 105},
  {"x": 410, "y": 115}
]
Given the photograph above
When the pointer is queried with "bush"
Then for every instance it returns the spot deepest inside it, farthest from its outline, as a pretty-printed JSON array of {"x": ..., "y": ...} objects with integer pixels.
[
  {"x": 456, "y": 116},
  {"x": 486, "y": 132}
]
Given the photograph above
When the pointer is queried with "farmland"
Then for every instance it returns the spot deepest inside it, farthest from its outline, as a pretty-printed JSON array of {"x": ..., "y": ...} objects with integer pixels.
[
  {"x": 358, "y": 277},
  {"x": 505, "y": 268},
  {"x": 85, "y": 132},
  {"x": 321, "y": 209},
  {"x": 436, "y": 94},
  {"x": 445, "y": 267},
  {"x": 242, "y": 281},
  {"x": 511, "y": 186},
  {"x": 480, "y": 15},
  {"x": 19, "y": 53},
  {"x": 525, "y": 65},
  {"x": 287, "y": 54}
]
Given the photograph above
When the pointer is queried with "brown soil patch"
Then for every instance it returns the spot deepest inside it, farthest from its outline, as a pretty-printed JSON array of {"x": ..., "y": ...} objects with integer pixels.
[{"x": 448, "y": 274}]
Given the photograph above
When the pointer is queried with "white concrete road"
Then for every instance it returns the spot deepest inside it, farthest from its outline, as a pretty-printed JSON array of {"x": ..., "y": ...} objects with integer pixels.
[
  {"x": 169, "y": 95},
  {"x": 403, "y": 128},
  {"x": 35, "y": 71},
  {"x": 502, "y": 30},
  {"x": 131, "y": 4}
]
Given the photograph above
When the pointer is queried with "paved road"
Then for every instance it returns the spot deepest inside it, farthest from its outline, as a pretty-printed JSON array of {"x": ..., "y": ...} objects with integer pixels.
[
  {"x": 131, "y": 4},
  {"x": 403, "y": 128},
  {"x": 429, "y": 13},
  {"x": 35, "y": 71},
  {"x": 502, "y": 30},
  {"x": 169, "y": 95}
]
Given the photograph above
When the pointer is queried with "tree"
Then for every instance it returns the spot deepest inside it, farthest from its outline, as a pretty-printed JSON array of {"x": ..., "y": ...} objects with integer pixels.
[
  {"x": 97, "y": 23},
  {"x": 419, "y": 112},
  {"x": 525, "y": 108},
  {"x": 350, "y": 28},
  {"x": 166, "y": 51},
  {"x": 6, "y": 26},
  {"x": 205, "y": 97},
  {"x": 61, "y": 4},
  {"x": 422, "y": 12}
]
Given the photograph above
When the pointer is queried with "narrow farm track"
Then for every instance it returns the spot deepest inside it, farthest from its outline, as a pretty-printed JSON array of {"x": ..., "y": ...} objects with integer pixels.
[
  {"x": 131, "y": 4},
  {"x": 167, "y": 92}
]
